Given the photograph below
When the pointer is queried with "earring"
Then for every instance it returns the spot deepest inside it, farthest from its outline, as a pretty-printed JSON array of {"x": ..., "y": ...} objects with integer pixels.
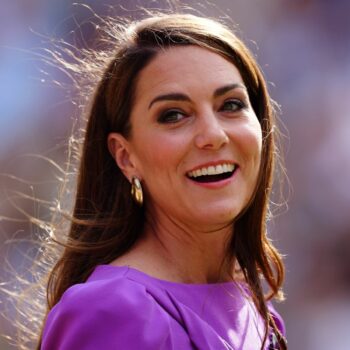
[{"x": 136, "y": 191}]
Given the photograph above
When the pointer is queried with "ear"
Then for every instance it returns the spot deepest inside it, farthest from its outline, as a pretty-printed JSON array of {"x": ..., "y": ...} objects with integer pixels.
[{"x": 119, "y": 147}]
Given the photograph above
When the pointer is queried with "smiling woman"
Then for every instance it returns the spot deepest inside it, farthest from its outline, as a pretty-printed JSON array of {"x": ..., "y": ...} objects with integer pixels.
[
  {"x": 178, "y": 126},
  {"x": 168, "y": 248}
]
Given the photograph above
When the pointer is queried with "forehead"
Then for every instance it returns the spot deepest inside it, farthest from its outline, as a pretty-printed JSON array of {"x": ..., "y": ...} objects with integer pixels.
[{"x": 185, "y": 69}]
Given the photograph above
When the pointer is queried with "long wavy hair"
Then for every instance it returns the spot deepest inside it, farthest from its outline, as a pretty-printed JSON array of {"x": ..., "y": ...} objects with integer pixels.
[{"x": 106, "y": 222}]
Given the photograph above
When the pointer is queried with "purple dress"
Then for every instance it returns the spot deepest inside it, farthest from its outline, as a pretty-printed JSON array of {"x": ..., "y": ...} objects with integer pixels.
[{"x": 123, "y": 308}]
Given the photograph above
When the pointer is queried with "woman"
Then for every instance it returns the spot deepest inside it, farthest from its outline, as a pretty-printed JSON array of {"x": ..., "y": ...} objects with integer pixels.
[{"x": 183, "y": 121}]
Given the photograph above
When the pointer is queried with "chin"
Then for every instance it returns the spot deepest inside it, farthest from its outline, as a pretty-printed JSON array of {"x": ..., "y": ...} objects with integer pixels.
[{"x": 216, "y": 216}]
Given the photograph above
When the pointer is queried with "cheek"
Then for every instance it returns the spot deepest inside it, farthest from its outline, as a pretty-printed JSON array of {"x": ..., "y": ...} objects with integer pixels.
[
  {"x": 255, "y": 146},
  {"x": 159, "y": 153},
  {"x": 251, "y": 143},
  {"x": 257, "y": 142}
]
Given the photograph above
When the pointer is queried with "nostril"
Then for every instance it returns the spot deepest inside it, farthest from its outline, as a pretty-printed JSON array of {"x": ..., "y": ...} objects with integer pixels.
[{"x": 212, "y": 140}]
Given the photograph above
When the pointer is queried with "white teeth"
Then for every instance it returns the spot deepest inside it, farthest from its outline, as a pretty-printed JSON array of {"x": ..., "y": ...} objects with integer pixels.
[
  {"x": 212, "y": 170},
  {"x": 218, "y": 169}
]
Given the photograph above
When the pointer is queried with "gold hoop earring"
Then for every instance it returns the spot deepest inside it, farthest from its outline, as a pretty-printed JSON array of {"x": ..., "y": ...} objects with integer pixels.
[{"x": 136, "y": 191}]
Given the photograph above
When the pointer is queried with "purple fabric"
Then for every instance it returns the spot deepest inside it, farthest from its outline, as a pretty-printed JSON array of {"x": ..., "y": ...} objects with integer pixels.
[{"x": 123, "y": 308}]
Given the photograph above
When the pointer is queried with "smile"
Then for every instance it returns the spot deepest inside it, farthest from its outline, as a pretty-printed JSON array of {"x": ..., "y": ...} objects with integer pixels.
[{"x": 212, "y": 173}]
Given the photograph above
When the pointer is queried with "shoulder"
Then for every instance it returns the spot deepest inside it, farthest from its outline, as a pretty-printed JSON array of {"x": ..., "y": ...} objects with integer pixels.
[
  {"x": 102, "y": 292},
  {"x": 104, "y": 313}
]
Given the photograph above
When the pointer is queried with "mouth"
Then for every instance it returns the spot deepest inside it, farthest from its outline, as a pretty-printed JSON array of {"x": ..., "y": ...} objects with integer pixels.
[{"x": 212, "y": 173}]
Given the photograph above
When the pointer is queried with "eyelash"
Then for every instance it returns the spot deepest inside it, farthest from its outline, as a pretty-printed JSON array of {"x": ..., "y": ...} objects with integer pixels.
[
  {"x": 237, "y": 103},
  {"x": 166, "y": 117}
]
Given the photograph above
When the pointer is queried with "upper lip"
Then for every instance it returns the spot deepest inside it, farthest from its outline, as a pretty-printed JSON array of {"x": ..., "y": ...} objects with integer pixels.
[{"x": 212, "y": 163}]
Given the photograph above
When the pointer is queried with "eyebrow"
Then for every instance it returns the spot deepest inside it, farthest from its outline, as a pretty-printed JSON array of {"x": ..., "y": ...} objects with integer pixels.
[{"x": 182, "y": 97}]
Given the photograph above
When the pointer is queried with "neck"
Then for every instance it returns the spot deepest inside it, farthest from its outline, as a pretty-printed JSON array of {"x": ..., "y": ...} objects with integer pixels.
[{"x": 185, "y": 254}]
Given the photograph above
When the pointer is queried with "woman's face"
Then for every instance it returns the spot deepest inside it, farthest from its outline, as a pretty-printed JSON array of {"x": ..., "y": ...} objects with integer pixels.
[{"x": 195, "y": 141}]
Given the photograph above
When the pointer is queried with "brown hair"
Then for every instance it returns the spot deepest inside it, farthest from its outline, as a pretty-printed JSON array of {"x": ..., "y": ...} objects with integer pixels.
[{"x": 106, "y": 222}]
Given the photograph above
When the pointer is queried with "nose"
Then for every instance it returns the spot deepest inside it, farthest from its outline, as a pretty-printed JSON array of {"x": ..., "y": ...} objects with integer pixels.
[{"x": 210, "y": 133}]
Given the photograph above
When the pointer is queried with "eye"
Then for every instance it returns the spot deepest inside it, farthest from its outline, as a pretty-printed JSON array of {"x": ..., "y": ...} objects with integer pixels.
[
  {"x": 171, "y": 116},
  {"x": 233, "y": 105}
]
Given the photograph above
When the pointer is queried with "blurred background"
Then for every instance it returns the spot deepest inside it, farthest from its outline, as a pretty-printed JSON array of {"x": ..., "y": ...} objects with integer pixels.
[{"x": 303, "y": 47}]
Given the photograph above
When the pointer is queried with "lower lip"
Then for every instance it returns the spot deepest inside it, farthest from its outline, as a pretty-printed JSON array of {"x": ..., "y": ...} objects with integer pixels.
[{"x": 216, "y": 184}]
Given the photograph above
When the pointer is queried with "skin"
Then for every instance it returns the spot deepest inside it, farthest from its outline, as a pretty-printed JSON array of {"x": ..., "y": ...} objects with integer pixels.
[{"x": 209, "y": 119}]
